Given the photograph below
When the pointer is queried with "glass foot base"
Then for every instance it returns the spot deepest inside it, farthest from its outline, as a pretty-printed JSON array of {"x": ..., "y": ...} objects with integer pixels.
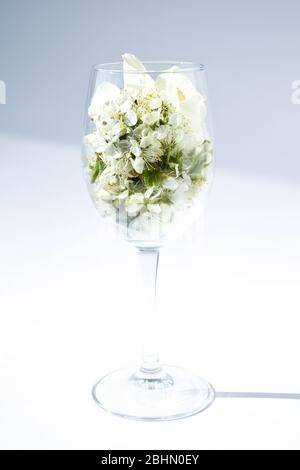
[{"x": 164, "y": 394}]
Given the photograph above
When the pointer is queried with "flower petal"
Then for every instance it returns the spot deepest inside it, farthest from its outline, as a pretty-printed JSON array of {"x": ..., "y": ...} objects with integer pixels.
[
  {"x": 130, "y": 118},
  {"x": 151, "y": 118},
  {"x": 194, "y": 110},
  {"x": 123, "y": 195},
  {"x": 170, "y": 183},
  {"x": 134, "y": 204},
  {"x": 112, "y": 152},
  {"x": 104, "y": 195},
  {"x": 135, "y": 76},
  {"x": 155, "y": 103},
  {"x": 162, "y": 132},
  {"x": 126, "y": 105},
  {"x": 138, "y": 164},
  {"x": 146, "y": 141},
  {"x": 175, "y": 86},
  {"x": 149, "y": 192},
  {"x": 105, "y": 92},
  {"x": 135, "y": 148},
  {"x": 154, "y": 208}
]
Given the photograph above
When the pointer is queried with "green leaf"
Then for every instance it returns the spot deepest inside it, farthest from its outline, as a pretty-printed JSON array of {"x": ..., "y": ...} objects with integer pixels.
[
  {"x": 164, "y": 114},
  {"x": 172, "y": 155},
  {"x": 198, "y": 161},
  {"x": 151, "y": 177},
  {"x": 96, "y": 168},
  {"x": 165, "y": 197}
]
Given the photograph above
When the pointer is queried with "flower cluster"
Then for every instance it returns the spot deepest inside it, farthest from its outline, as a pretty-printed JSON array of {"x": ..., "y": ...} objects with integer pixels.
[{"x": 148, "y": 153}]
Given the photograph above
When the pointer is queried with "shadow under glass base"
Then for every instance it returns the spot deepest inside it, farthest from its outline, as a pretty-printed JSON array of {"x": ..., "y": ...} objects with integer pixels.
[{"x": 165, "y": 394}]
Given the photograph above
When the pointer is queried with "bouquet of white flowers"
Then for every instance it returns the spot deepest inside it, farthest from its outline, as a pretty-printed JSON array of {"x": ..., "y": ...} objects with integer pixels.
[{"x": 149, "y": 152}]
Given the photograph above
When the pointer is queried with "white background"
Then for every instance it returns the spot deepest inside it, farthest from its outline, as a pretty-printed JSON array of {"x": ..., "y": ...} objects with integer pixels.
[{"x": 71, "y": 310}]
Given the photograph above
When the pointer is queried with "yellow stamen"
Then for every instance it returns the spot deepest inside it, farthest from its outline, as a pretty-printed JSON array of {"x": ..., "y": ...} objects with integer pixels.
[{"x": 180, "y": 94}]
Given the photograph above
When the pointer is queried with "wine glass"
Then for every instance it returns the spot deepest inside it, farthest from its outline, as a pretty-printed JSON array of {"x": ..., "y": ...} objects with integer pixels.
[{"x": 147, "y": 160}]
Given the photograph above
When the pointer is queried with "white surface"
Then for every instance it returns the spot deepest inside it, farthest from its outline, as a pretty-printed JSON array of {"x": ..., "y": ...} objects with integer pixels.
[{"x": 229, "y": 311}]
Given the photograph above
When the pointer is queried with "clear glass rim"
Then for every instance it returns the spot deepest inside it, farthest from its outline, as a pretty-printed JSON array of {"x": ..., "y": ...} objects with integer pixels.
[{"x": 156, "y": 66}]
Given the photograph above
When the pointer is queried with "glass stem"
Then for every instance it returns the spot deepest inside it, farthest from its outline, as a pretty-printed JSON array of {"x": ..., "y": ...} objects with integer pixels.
[{"x": 149, "y": 264}]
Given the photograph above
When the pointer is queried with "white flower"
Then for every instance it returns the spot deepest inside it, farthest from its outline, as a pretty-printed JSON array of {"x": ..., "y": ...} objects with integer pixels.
[
  {"x": 138, "y": 164},
  {"x": 132, "y": 63},
  {"x": 117, "y": 129},
  {"x": 151, "y": 147},
  {"x": 146, "y": 201},
  {"x": 175, "y": 119},
  {"x": 135, "y": 148},
  {"x": 135, "y": 76},
  {"x": 148, "y": 193},
  {"x": 146, "y": 141},
  {"x": 125, "y": 105},
  {"x": 162, "y": 132},
  {"x": 123, "y": 195},
  {"x": 135, "y": 204},
  {"x": 112, "y": 152},
  {"x": 130, "y": 118},
  {"x": 151, "y": 118},
  {"x": 105, "y": 93},
  {"x": 183, "y": 187},
  {"x": 96, "y": 142},
  {"x": 178, "y": 135},
  {"x": 106, "y": 113},
  {"x": 107, "y": 178},
  {"x": 170, "y": 183},
  {"x": 175, "y": 86},
  {"x": 194, "y": 110},
  {"x": 188, "y": 102},
  {"x": 106, "y": 175},
  {"x": 188, "y": 142},
  {"x": 155, "y": 103},
  {"x": 104, "y": 125},
  {"x": 154, "y": 208},
  {"x": 138, "y": 131},
  {"x": 104, "y": 195}
]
